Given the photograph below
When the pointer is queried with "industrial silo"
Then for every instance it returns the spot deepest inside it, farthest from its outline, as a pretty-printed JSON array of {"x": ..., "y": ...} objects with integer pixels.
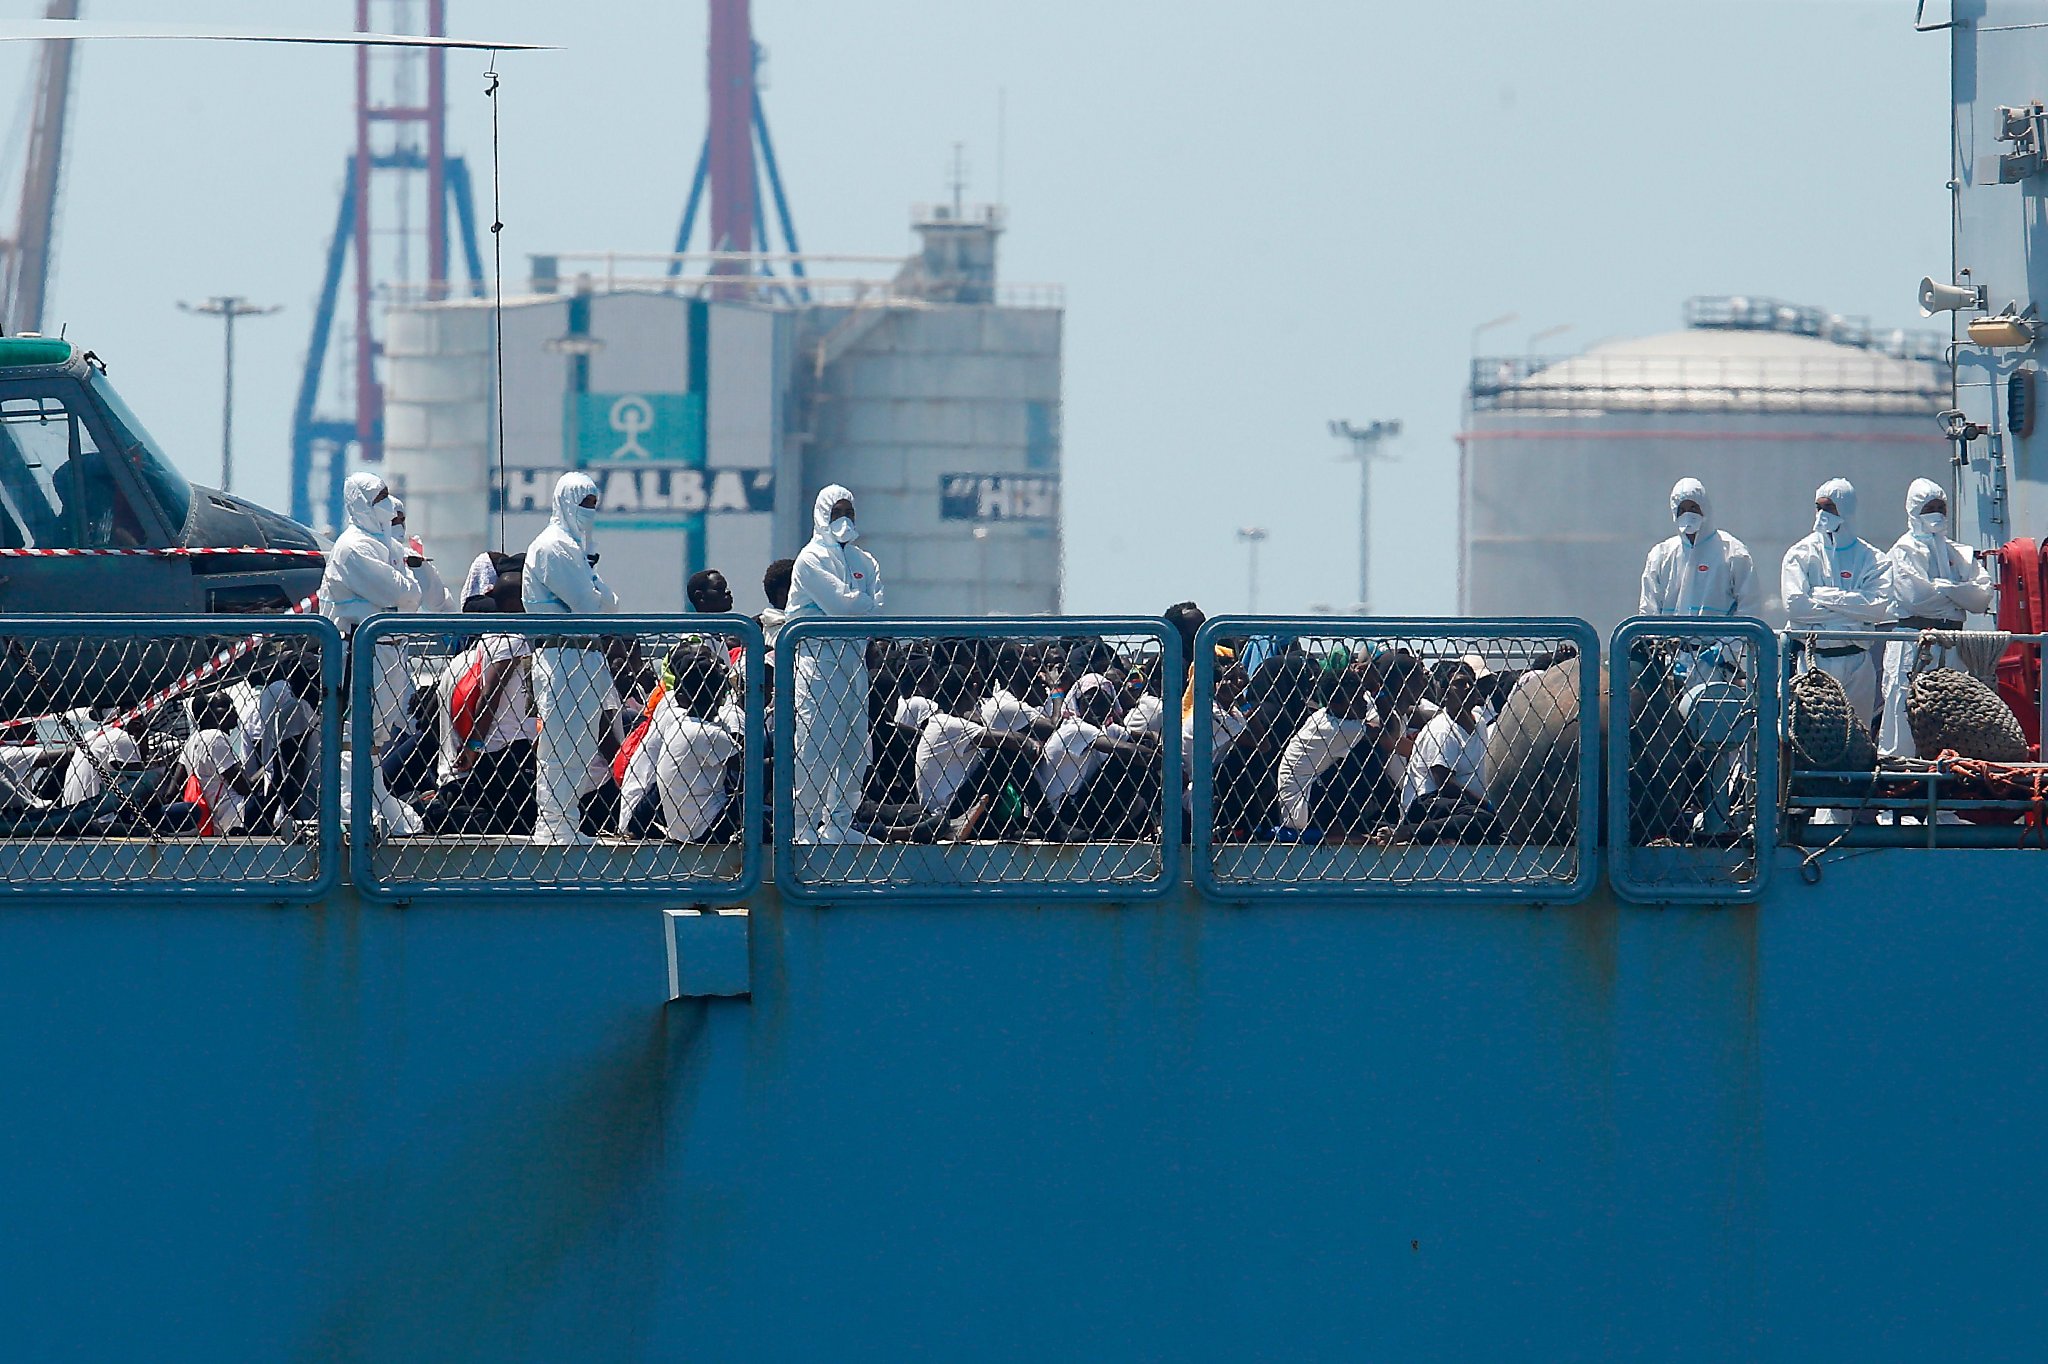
[
  {"x": 1566, "y": 463},
  {"x": 938, "y": 403},
  {"x": 710, "y": 408}
]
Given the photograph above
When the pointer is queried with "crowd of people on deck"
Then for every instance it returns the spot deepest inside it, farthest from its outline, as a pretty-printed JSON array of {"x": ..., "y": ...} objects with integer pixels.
[{"x": 578, "y": 735}]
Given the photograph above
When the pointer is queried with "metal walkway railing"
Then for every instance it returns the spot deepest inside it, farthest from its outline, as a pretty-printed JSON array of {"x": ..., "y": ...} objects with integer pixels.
[{"x": 1032, "y": 758}]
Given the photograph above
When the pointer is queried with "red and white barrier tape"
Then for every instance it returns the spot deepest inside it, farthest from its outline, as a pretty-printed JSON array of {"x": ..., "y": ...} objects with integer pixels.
[
  {"x": 184, "y": 684},
  {"x": 166, "y": 552}
]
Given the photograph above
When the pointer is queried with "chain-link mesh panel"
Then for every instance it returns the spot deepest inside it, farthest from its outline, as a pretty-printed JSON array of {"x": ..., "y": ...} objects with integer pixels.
[
  {"x": 1441, "y": 756},
  {"x": 501, "y": 753},
  {"x": 195, "y": 755},
  {"x": 929, "y": 757},
  {"x": 1693, "y": 758}
]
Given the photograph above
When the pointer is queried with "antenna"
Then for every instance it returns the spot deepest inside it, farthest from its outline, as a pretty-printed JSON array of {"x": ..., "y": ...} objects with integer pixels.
[
  {"x": 1002, "y": 137},
  {"x": 958, "y": 180}
]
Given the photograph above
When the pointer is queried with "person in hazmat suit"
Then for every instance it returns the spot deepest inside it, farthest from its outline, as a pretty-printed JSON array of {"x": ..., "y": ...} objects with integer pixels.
[
  {"x": 1936, "y": 583},
  {"x": 365, "y": 576},
  {"x": 1834, "y": 581},
  {"x": 572, "y": 686},
  {"x": 1702, "y": 570},
  {"x": 434, "y": 596},
  {"x": 832, "y": 579}
]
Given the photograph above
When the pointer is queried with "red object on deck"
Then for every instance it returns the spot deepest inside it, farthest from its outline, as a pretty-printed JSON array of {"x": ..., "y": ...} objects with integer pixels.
[{"x": 2022, "y": 609}]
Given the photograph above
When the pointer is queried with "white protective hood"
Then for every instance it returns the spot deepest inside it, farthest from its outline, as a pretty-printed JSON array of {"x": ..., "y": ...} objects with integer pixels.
[
  {"x": 359, "y": 504},
  {"x": 821, "y": 510},
  {"x": 1844, "y": 494},
  {"x": 570, "y": 513},
  {"x": 1922, "y": 491},
  {"x": 1693, "y": 489}
]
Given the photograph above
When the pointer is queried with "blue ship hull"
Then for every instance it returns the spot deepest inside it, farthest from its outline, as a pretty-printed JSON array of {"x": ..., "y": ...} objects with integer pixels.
[{"x": 1804, "y": 1128}]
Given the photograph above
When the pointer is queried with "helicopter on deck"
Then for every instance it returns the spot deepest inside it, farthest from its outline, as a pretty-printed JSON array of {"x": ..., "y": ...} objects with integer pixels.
[{"x": 78, "y": 471}]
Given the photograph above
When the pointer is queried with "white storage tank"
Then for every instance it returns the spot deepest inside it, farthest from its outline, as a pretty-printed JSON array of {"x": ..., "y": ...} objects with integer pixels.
[{"x": 1566, "y": 464}]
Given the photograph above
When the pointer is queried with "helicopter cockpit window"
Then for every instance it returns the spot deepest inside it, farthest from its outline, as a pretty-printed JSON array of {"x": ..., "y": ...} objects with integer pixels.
[{"x": 56, "y": 491}]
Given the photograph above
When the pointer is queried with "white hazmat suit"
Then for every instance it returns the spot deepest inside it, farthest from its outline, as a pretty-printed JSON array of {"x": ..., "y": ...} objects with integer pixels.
[
  {"x": 366, "y": 575},
  {"x": 434, "y": 597},
  {"x": 572, "y": 686},
  {"x": 1834, "y": 581},
  {"x": 832, "y": 579},
  {"x": 1703, "y": 571},
  {"x": 1936, "y": 583}
]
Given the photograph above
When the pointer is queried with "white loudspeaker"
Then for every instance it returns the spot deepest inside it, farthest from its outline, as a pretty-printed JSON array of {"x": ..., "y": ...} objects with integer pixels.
[{"x": 1946, "y": 298}]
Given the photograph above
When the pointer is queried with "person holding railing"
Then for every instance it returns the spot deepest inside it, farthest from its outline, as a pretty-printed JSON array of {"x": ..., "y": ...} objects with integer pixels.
[
  {"x": 571, "y": 681},
  {"x": 832, "y": 579},
  {"x": 1936, "y": 584},
  {"x": 1833, "y": 581}
]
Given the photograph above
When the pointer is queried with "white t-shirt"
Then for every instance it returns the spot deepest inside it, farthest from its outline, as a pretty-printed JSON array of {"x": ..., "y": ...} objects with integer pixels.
[
  {"x": 208, "y": 755},
  {"x": 1070, "y": 758},
  {"x": 1143, "y": 717},
  {"x": 1224, "y": 727},
  {"x": 913, "y": 711},
  {"x": 82, "y": 779},
  {"x": 1444, "y": 743},
  {"x": 1320, "y": 744},
  {"x": 1005, "y": 714},
  {"x": 17, "y": 777},
  {"x": 689, "y": 770},
  {"x": 514, "y": 718},
  {"x": 265, "y": 717},
  {"x": 946, "y": 750}
]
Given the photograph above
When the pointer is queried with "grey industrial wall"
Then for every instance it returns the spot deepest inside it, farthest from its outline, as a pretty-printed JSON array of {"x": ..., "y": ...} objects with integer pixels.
[
  {"x": 1557, "y": 509},
  {"x": 1999, "y": 50},
  {"x": 940, "y": 390}
]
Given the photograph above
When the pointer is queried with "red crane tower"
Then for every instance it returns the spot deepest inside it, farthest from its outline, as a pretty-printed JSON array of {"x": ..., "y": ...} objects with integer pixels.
[
  {"x": 391, "y": 234},
  {"x": 26, "y": 257}
]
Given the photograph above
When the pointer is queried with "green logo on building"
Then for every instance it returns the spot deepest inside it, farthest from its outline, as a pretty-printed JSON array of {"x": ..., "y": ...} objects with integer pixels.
[{"x": 635, "y": 428}]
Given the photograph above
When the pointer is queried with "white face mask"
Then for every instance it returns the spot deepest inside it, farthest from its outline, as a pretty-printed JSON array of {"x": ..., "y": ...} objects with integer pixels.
[
  {"x": 1689, "y": 523},
  {"x": 1827, "y": 523},
  {"x": 1933, "y": 522},
  {"x": 843, "y": 530}
]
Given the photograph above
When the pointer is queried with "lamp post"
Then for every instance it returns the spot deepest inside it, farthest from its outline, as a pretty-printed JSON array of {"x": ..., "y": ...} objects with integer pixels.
[
  {"x": 228, "y": 307},
  {"x": 1365, "y": 448},
  {"x": 1250, "y": 537}
]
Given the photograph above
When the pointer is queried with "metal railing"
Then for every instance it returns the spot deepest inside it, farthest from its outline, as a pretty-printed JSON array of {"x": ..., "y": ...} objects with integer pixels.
[
  {"x": 515, "y": 754},
  {"x": 1021, "y": 756},
  {"x": 1445, "y": 758},
  {"x": 1692, "y": 759},
  {"x": 1961, "y": 771},
  {"x": 193, "y": 755},
  {"x": 1030, "y": 757},
  {"x": 1854, "y": 381}
]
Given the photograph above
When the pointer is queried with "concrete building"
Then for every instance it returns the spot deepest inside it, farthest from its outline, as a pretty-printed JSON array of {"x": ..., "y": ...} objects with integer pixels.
[
  {"x": 1566, "y": 464},
  {"x": 711, "y": 406}
]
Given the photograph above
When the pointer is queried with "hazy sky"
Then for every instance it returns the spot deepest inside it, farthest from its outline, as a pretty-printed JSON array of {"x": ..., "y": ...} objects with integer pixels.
[{"x": 1264, "y": 217}]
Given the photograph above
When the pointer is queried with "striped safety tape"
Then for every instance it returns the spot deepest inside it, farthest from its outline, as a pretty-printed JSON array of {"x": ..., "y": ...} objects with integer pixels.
[
  {"x": 166, "y": 552},
  {"x": 212, "y": 666}
]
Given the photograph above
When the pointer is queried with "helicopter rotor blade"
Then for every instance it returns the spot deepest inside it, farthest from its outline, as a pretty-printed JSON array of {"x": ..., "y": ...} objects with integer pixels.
[{"x": 73, "y": 30}]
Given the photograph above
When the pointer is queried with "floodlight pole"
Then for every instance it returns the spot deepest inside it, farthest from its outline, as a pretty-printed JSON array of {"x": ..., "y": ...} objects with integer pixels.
[
  {"x": 1365, "y": 448},
  {"x": 228, "y": 307},
  {"x": 1250, "y": 537}
]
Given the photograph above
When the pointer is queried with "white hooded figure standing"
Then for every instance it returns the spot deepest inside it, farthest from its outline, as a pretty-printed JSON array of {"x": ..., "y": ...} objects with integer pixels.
[
  {"x": 1936, "y": 585},
  {"x": 832, "y": 580},
  {"x": 366, "y": 576},
  {"x": 1702, "y": 570},
  {"x": 572, "y": 684},
  {"x": 1834, "y": 581}
]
